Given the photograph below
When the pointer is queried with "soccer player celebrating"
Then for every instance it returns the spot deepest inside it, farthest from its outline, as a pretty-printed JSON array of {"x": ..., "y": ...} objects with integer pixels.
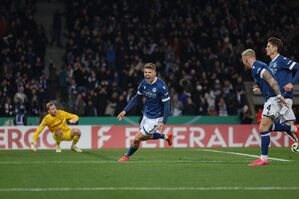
[
  {"x": 156, "y": 110},
  {"x": 274, "y": 102},
  {"x": 283, "y": 68},
  {"x": 56, "y": 122}
]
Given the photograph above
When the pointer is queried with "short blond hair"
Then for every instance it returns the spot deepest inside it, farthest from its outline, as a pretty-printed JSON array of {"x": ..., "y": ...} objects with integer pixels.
[
  {"x": 248, "y": 52},
  {"x": 49, "y": 104},
  {"x": 150, "y": 66}
]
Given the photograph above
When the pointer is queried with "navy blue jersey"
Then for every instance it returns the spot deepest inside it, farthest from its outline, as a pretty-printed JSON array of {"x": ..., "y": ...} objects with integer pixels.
[
  {"x": 257, "y": 71},
  {"x": 282, "y": 69},
  {"x": 155, "y": 94}
]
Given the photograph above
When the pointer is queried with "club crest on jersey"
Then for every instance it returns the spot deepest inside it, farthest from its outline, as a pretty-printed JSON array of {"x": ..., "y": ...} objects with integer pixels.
[
  {"x": 273, "y": 67},
  {"x": 154, "y": 90}
]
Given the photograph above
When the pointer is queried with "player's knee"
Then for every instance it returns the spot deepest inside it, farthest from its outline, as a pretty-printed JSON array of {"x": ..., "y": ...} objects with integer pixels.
[
  {"x": 263, "y": 128},
  {"x": 58, "y": 133},
  {"x": 76, "y": 132}
]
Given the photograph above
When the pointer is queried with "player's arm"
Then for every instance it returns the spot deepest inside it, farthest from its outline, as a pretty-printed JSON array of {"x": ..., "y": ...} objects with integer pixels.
[
  {"x": 37, "y": 133},
  {"x": 294, "y": 67},
  {"x": 256, "y": 89},
  {"x": 166, "y": 106},
  {"x": 72, "y": 118},
  {"x": 166, "y": 111},
  {"x": 274, "y": 85},
  {"x": 132, "y": 103}
]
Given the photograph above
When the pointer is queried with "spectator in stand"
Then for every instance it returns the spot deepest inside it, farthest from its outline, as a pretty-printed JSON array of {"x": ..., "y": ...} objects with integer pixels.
[
  {"x": 259, "y": 114},
  {"x": 245, "y": 115},
  {"x": 185, "y": 46},
  {"x": 20, "y": 118}
]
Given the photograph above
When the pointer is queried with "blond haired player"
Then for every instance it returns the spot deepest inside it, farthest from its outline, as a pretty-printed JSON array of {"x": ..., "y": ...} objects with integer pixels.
[{"x": 56, "y": 122}]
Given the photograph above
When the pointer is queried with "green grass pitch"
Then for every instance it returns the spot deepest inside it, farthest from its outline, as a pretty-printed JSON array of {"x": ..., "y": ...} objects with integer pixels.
[{"x": 151, "y": 173}]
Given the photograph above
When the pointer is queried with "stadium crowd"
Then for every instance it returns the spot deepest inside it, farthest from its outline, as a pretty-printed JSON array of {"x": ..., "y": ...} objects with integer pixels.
[
  {"x": 23, "y": 46},
  {"x": 196, "y": 46}
]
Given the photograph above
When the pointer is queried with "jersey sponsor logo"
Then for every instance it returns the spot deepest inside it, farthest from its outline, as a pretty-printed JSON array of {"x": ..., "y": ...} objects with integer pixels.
[{"x": 150, "y": 94}]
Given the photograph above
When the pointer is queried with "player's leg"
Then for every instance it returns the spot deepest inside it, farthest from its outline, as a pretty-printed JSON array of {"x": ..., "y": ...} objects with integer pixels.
[
  {"x": 265, "y": 124},
  {"x": 151, "y": 127},
  {"x": 289, "y": 117},
  {"x": 271, "y": 109},
  {"x": 58, "y": 136},
  {"x": 134, "y": 147},
  {"x": 294, "y": 132},
  {"x": 75, "y": 135},
  {"x": 157, "y": 135},
  {"x": 287, "y": 127}
]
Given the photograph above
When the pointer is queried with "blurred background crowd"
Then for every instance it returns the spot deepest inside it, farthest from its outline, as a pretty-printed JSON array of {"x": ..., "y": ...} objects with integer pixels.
[{"x": 195, "y": 44}]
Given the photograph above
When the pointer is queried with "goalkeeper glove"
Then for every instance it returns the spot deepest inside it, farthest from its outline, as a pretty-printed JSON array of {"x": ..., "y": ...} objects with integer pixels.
[{"x": 32, "y": 146}]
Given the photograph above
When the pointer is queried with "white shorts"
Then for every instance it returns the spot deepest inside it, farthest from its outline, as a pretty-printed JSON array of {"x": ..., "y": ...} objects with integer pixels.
[
  {"x": 277, "y": 110},
  {"x": 272, "y": 107},
  {"x": 149, "y": 126},
  {"x": 287, "y": 113}
]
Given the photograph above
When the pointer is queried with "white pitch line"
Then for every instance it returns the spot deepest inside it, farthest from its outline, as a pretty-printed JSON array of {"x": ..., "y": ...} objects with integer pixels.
[
  {"x": 145, "y": 189},
  {"x": 242, "y": 154},
  {"x": 115, "y": 162}
]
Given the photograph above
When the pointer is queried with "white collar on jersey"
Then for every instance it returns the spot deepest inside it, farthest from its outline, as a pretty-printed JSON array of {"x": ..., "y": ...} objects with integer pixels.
[
  {"x": 154, "y": 80},
  {"x": 275, "y": 58}
]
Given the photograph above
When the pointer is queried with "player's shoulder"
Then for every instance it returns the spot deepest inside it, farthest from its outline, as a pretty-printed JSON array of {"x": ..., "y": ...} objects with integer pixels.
[
  {"x": 142, "y": 85},
  {"x": 61, "y": 112},
  {"x": 161, "y": 85},
  {"x": 47, "y": 118},
  {"x": 161, "y": 82},
  {"x": 259, "y": 64},
  {"x": 142, "y": 82},
  {"x": 282, "y": 58}
]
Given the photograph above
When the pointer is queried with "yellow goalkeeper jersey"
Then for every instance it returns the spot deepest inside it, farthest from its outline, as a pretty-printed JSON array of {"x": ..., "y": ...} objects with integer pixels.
[{"x": 55, "y": 123}]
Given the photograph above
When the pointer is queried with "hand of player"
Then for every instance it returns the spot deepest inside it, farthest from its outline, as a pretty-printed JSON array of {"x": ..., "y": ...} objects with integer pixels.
[
  {"x": 73, "y": 121},
  {"x": 256, "y": 89},
  {"x": 32, "y": 146},
  {"x": 121, "y": 115},
  {"x": 283, "y": 100},
  {"x": 288, "y": 87},
  {"x": 161, "y": 128}
]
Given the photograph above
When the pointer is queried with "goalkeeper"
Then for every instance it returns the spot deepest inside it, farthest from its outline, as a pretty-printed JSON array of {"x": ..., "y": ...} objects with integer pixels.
[{"x": 56, "y": 122}]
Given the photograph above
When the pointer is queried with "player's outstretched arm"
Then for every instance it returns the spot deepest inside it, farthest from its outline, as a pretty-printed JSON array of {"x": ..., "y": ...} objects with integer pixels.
[
  {"x": 32, "y": 146},
  {"x": 121, "y": 115},
  {"x": 36, "y": 134}
]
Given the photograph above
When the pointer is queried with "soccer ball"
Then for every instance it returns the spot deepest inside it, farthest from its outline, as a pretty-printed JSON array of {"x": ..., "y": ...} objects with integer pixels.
[{"x": 295, "y": 147}]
